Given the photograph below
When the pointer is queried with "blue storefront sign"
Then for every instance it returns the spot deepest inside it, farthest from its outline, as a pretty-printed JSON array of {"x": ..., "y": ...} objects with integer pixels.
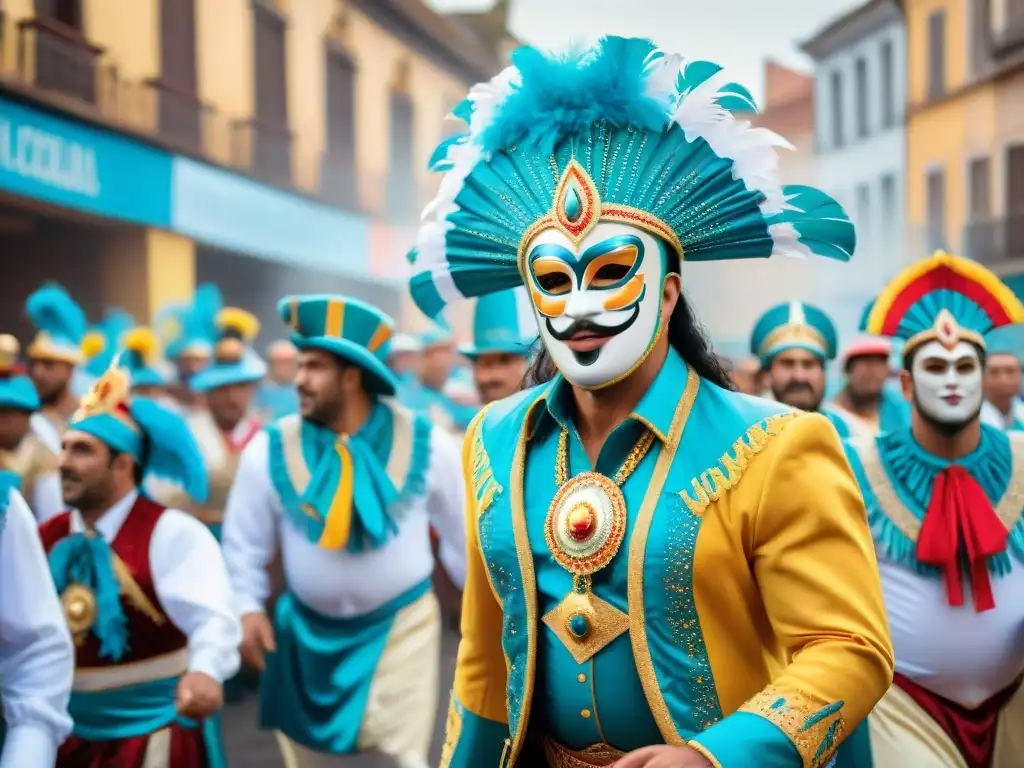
[
  {"x": 74, "y": 165},
  {"x": 230, "y": 211}
]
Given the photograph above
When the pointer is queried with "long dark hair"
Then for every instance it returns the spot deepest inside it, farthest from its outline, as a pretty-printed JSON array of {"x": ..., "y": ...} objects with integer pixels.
[{"x": 686, "y": 335}]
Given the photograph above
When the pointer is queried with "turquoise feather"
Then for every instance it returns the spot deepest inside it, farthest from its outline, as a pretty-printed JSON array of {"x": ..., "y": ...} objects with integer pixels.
[
  {"x": 439, "y": 158},
  {"x": 88, "y": 560},
  {"x": 559, "y": 97},
  {"x": 823, "y": 225},
  {"x": 172, "y": 451},
  {"x": 52, "y": 309}
]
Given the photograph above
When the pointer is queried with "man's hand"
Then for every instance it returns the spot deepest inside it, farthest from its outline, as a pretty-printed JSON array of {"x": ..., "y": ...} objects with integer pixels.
[
  {"x": 199, "y": 696},
  {"x": 664, "y": 757},
  {"x": 257, "y": 640}
]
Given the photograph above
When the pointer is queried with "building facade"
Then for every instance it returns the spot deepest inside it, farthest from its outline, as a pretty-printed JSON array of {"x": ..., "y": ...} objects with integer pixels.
[
  {"x": 729, "y": 297},
  {"x": 860, "y": 98},
  {"x": 269, "y": 145},
  {"x": 965, "y": 129}
]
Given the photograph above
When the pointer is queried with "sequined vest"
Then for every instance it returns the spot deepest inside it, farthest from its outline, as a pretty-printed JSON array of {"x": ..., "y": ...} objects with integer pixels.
[{"x": 150, "y": 632}]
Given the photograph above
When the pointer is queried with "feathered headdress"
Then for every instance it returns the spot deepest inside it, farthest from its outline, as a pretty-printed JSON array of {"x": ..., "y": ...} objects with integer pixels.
[
  {"x": 234, "y": 359},
  {"x": 101, "y": 343},
  {"x": 141, "y": 356},
  {"x": 190, "y": 329},
  {"x": 60, "y": 324},
  {"x": 16, "y": 389},
  {"x": 623, "y": 133},
  {"x": 944, "y": 298}
]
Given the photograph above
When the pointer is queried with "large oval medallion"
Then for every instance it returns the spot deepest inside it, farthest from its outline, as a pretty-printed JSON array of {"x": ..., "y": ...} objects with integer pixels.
[{"x": 586, "y": 523}]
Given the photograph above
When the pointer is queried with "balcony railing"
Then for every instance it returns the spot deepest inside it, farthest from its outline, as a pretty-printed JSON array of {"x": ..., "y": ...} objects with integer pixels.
[
  {"x": 996, "y": 240},
  {"x": 58, "y": 58},
  {"x": 58, "y": 65}
]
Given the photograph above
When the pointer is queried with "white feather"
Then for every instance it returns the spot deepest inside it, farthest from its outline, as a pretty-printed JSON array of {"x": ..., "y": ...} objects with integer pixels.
[
  {"x": 786, "y": 241},
  {"x": 752, "y": 150}
]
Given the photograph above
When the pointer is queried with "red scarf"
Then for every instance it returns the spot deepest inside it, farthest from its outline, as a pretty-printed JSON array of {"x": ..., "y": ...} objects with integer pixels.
[
  {"x": 961, "y": 525},
  {"x": 238, "y": 445}
]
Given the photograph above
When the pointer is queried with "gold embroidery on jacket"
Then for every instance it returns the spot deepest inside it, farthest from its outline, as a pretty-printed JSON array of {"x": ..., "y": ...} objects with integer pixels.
[
  {"x": 713, "y": 483},
  {"x": 814, "y": 728}
]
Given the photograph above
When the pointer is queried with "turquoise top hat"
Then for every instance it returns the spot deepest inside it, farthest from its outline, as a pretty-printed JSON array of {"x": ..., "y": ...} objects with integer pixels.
[
  {"x": 1008, "y": 340},
  {"x": 16, "y": 390},
  {"x": 60, "y": 325},
  {"x": 190, "y": 330},
  {"x": 503, "y": 323},
  {"x": 621, "y": 133},
  {"x": 234, "y": 359},
  {"x": 140, "y": 355},
  {"x": 793, "y": 325},
  {"x": 352, "y": 330},
  {"x": 102, "y": 342}
]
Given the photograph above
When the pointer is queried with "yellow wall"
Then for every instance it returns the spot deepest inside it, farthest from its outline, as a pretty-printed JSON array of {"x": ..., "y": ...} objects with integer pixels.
[
  {"x": 951, "y": 131},
  {"x": 130, "y": 30},
  {"x": 14, "y": 11},
  {"x": 224, "y": 66}
]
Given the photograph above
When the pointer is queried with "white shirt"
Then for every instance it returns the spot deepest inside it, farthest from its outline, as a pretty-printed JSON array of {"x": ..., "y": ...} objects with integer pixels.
[
  {"x": 995, "y": 418},
  {"x": 191, "y": 583},
  {"x": 47, "y": 497},
  {"x": 37, "y": 658},
  {"x": 960, "y": 654},
  {"x": 45, "y": 431},
  {"x": 339, "y": 583}
]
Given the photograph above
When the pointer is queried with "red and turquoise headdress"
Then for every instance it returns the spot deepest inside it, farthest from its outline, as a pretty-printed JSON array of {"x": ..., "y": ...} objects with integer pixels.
[
  {"x": 620, "y": 132},
  {"x": 944, "y": 298}
]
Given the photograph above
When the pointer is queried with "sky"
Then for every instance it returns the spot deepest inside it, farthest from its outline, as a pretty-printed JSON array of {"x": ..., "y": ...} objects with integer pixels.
[{"x": 738, "y": 34}]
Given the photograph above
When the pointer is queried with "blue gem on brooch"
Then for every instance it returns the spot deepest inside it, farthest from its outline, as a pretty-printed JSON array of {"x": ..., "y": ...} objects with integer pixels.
[
  {"x": 579, "y": 626},
  {"x": 573, "y": 205}
]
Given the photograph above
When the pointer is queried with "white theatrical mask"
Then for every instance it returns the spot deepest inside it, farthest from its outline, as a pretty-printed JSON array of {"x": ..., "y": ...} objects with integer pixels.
[
  {"x": 948, "y": 381},
  {"x": 607, "y": 287}
]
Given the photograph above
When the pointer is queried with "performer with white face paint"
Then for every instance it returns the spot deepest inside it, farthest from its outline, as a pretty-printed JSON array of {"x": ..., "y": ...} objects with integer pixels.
[
  {"x": 661, "y": 572},
  {"x": 945, "y": 498}
]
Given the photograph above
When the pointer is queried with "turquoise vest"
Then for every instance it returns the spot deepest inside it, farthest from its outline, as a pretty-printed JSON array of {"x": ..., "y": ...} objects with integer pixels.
[{"x": 659, "y": 546}]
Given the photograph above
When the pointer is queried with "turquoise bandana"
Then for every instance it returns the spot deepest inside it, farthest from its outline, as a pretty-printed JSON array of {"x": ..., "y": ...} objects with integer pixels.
[{"x": 350, "y": 491}]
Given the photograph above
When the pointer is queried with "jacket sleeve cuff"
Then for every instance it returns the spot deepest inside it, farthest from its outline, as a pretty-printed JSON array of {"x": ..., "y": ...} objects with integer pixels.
[
  {"x": 784, "y": 728},
  {"x": 472, "y": 741},
  {"x": 731, "y": 742}
]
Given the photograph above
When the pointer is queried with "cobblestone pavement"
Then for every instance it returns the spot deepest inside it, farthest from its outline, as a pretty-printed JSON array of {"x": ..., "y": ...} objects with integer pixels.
[{"x": 249, "y": 747}]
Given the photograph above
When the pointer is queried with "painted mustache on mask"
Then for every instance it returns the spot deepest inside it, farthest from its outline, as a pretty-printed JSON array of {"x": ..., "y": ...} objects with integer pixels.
[{"x": 594, "y": 329}]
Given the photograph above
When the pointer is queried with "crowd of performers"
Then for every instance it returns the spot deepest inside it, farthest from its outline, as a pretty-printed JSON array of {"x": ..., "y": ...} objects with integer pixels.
[{"x": 664, "y": 558}]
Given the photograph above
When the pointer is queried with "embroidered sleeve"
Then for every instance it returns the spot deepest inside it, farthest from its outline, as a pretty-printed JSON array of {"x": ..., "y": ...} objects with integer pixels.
[{"x": 815, "y": 729}]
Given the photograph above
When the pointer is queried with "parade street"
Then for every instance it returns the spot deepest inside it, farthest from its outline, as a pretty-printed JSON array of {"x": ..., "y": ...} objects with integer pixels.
[{"x": 249, "y": 747}]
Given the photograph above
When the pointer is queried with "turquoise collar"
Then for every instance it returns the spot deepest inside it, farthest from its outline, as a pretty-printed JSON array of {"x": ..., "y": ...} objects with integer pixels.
[
  {"x": 897, "y": 476},
  {"x": 654, "y": 411}
]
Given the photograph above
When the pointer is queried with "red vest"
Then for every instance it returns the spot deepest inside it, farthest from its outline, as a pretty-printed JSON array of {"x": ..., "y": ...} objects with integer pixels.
[{"x": 146, "y": 638}]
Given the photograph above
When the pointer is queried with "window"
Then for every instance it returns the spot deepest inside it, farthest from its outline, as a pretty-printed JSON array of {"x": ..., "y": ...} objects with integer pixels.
[
  {"x": 271, "y": 139},
  {"x": 402, "y": 192},
  {"x": 888, "y": 86},
  {"x": 836, "y": 81},
  {"x": 863, "y": 206},
  {"x": 861, "y": 83},
  {"x": 889, "y": 205},
  {"x": 339, "y": 170},
  {"x": 936, "y": 54},
  {"x": 936, "y": 209},
  {"x": 980, "y": 202},
  {"x": 179, "y": 109}
]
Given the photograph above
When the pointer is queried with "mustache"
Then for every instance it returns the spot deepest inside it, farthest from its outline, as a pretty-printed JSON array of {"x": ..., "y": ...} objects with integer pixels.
[
  {"x": 797, "y": 386},
  {"x": 584, "y": 326},
  {"x": 67, "y": 474}
]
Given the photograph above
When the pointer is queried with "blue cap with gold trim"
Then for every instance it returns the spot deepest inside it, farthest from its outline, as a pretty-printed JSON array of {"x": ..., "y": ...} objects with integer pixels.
[
  {"x": 234, "y": 359},
  {"x": 17, "y": 392},
  {"x": 793, "y": 325},
  {"x": 60, "y": 325},
  {"x": 348, "y": 328}
]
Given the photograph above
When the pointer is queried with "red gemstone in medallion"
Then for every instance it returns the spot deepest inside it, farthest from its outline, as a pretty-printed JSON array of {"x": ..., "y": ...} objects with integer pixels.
[{"x": 581, "y": 522}]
